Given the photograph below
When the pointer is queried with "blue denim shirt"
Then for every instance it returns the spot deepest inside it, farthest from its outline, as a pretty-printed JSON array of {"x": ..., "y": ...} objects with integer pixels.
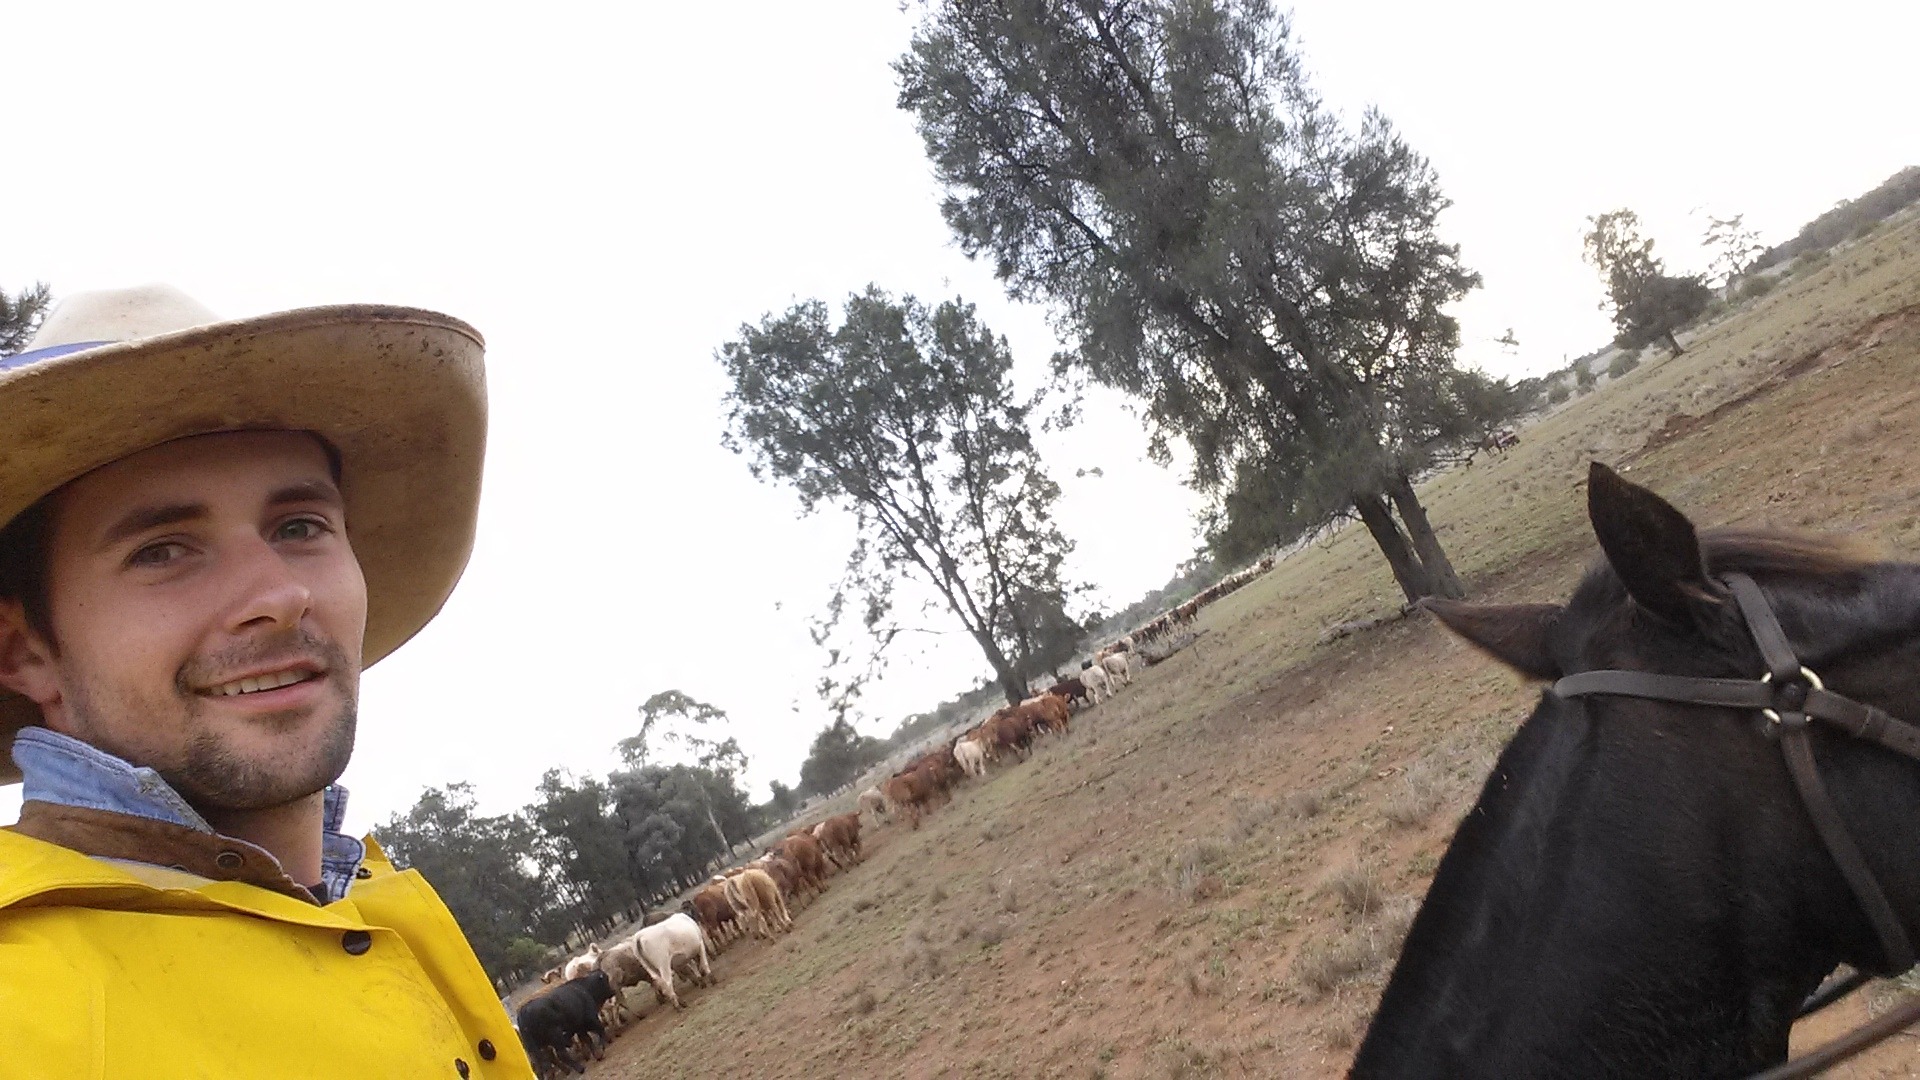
[{"x": 63, "y": 770}]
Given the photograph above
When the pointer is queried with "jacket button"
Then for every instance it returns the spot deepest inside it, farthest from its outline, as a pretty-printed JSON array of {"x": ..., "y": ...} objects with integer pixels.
[
  {"x": 486, "y": 1049},
  {"x": 356, "y": 942},
  {"x": 460, "y": 1067},
  {"x": 229, "y": 860}
]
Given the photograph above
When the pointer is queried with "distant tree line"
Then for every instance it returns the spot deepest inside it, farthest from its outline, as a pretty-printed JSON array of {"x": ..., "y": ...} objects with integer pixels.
[
  {"x": 1852, "y": 217},
  {"x": 590, "y": 851}
]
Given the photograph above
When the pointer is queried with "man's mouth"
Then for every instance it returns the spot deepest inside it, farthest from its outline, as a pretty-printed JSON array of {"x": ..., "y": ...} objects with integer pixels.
[{"x": 254, "y": 684}]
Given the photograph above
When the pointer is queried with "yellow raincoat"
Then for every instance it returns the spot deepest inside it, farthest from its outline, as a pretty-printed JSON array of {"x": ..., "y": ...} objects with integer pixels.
[{"x": 111, "y": 970}]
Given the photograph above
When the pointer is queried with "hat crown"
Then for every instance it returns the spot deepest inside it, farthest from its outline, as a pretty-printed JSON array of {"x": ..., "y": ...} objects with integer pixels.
[{"x": 120, "y": 315}]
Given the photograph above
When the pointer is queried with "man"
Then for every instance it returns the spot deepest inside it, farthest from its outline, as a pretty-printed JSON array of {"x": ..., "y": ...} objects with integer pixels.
[{"x": 210, "y": 529}]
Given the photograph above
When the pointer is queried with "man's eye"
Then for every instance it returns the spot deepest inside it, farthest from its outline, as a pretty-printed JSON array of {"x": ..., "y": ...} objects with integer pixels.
[
  {"x": 158, "y": 554},
  {"x": 305, "y": 528}
]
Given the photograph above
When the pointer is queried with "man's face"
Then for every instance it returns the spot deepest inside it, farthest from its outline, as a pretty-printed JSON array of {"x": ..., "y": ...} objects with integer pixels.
[{"x": 207, "y": 616}]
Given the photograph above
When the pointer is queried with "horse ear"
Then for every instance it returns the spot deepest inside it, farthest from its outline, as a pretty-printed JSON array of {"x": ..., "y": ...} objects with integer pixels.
[
  {"x": 1650, "y": 545},
  {"x": 1514, "y": 634}
]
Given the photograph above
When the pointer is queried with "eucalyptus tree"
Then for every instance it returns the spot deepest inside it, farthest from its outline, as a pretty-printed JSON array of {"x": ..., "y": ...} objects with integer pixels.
[
  {"x": 673, "y": 718},
  {"x": 21, "y": 315},
  {"x": 906, "y": 417},
  {"x": 1648, "y": 303},
  {"x": 1211, "y": 239},
  {"x": 486, "y": 868}
]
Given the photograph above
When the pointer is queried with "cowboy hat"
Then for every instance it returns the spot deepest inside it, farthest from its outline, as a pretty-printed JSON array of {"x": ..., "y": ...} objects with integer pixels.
[{"x": 399, "y": 394}]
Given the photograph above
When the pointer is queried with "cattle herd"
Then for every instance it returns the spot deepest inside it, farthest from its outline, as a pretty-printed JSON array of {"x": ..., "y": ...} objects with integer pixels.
[{"x": 583, "y": 1003}]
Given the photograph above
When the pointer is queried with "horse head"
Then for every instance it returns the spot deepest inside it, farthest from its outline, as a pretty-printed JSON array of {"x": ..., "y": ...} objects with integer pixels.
[{"x": 1640, "y": 890}]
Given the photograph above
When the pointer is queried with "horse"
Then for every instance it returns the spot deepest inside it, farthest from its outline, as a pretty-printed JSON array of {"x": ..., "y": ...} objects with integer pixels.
[{"x": 1645, "y": 888}]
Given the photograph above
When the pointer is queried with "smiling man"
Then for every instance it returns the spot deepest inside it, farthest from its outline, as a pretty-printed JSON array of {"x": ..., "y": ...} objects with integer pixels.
[{"x": 210, "y": 529}]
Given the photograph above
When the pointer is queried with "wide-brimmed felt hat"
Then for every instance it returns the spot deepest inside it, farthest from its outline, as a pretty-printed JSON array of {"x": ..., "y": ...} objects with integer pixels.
[{"x": 399, "y": 393}]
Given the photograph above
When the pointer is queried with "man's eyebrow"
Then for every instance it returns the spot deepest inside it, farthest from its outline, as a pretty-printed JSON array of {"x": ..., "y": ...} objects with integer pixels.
[
  {"x": 139, "y": 520},
  {"x": 307, "y": 491}
]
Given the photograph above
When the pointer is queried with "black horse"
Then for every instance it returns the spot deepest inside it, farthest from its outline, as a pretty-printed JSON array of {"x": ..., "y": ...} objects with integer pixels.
[{"x": 1640, "y": 891}]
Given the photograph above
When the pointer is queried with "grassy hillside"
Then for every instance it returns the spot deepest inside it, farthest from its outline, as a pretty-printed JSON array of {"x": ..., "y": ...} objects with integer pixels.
[{"x": 1210, "y": 875}]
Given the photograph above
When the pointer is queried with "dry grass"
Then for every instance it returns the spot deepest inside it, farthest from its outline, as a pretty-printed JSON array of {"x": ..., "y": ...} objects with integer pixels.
[
  {"x": 1191, "y": 871},
  {"x": 1357, "y": 889},
  {"x": 1418, "y": 792},
  {"x": 1303, "y": 804}
]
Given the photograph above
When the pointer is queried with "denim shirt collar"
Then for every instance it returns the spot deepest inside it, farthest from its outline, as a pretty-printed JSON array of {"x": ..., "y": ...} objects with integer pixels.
[{"x": 62, "y": 770}]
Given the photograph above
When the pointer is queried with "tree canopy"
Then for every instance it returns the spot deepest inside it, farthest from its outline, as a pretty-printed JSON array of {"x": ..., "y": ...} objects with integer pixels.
[
  {"x": 1212, "y": 240},
  {"x": 1648, "y": 303},
  {"x": 906, "y": 417},
  {"x": 838, "y": 754},
  {"x": 21, "y": 315}
]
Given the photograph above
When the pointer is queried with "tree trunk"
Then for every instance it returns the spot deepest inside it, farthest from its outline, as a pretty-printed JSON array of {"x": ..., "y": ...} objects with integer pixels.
[
  {"x": 1673, "y": 343},
  {"x": 1433, "y": 557},
  {"x": 1009, "y": 679},
  {"x": 1393, "y": 544}
]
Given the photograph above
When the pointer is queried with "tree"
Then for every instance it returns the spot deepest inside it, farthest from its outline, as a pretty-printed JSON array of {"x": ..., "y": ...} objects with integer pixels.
[
  {"x": 582, "y": 847},
  {"x": 1648, "y": 304},
  {"x": 678, "y": 716},
  {"x": 1735, "y": 247},
  {"x": 907, "y": 418},
  {"x": 484, "y": 868},
  {"x": 782, "y": 801},
  {"x": 22, "y": 315},
  {"x": 1211, "y": 239},
  {"x": 838, "y": 754}
]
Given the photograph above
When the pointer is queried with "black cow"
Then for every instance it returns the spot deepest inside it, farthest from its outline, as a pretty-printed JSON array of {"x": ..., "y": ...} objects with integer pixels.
[{"x": 551, "y": 1021}]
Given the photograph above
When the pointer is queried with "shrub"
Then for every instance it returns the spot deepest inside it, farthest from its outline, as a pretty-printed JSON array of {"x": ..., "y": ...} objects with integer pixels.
[
  {"x": 1558, "y": 393},
  {"x": 1305, "y": 803},
  {"x": 1756, "y": 287},
  {"x": 1623, "y": 363},
  {"x": 1358, "y": 890}
]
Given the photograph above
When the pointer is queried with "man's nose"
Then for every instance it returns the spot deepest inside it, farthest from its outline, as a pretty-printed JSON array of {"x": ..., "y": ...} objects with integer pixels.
[{"x": 270, "y": 594}]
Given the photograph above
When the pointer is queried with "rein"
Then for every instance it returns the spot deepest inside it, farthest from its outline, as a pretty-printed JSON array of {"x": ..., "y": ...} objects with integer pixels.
[{"x": 1791, "y": 697}]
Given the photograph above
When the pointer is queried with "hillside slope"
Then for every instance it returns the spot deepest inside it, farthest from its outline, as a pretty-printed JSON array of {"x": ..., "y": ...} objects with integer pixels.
[{"x": 1209, "y": 876}]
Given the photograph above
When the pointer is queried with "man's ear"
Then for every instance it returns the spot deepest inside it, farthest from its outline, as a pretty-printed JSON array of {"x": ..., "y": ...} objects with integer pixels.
[
  {"x": 26, "y": 658},
  {"x": 1514, "y": 634}
]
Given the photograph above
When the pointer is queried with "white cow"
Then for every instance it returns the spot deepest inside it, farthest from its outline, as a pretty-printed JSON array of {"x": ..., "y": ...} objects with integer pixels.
[
  {"x": 1118, "y": 669},
  {"x": 971, "y": 756},
  {"x": 871, "y": 799},
  {"x": 1095, "y": 679},
  {"x": 667, "y": 942},
  {"x": 583, "y": 963}
]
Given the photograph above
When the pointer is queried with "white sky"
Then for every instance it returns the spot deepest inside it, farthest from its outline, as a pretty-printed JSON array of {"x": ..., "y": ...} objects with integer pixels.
[{"x": 608, "y": 191}]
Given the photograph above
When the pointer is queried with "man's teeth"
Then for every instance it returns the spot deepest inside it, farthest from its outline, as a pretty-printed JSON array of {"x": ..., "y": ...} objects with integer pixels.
[{"x": 261, "y": 682}]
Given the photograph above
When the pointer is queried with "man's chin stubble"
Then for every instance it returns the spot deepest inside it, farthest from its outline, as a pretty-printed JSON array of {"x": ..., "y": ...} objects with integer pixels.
[{"x": 211, "y": 775}]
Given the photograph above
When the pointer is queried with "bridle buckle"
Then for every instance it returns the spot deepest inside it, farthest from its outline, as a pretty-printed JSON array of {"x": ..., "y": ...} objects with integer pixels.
[{"x": 1791, "y": 697}]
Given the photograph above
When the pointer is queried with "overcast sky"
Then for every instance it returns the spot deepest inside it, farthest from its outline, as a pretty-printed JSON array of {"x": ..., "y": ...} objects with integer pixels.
[{"x": 607, "y": 192}]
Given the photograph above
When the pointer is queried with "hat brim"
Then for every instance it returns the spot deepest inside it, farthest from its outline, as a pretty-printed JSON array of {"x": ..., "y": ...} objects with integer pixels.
[{"x": 399, "y": 392}]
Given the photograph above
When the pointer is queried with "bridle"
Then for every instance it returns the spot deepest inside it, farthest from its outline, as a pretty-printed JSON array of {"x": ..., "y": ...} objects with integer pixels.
[{"x": 1791, "y": 697}]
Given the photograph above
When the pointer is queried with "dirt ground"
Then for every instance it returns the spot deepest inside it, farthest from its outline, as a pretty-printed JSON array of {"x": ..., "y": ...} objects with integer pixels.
[{"x": 1211, "y": 874}]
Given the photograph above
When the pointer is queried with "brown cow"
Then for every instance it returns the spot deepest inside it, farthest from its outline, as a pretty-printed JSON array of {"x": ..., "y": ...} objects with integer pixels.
[
  {"x": 1009, "y": 729},
  {"x": 710, "y": 909},
  {"x": 803, "y": 851},
  {"x": 1049, "y": 712},
  {"x": 775, "y": 866},
  {"x": 912, "y": 792},
  {"x": 753, "y": 892},
  {"x": 840, "y": 837}
]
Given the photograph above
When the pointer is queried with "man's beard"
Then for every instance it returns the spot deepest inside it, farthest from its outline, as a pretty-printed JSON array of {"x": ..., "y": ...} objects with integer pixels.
[
  {"x": 205, "y": 770},
  {"x": 212, "y": 777}
]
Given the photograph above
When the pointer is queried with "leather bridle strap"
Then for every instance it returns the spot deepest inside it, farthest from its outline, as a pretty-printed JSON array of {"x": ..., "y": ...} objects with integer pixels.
[{"x": 1790, "y": 696}]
